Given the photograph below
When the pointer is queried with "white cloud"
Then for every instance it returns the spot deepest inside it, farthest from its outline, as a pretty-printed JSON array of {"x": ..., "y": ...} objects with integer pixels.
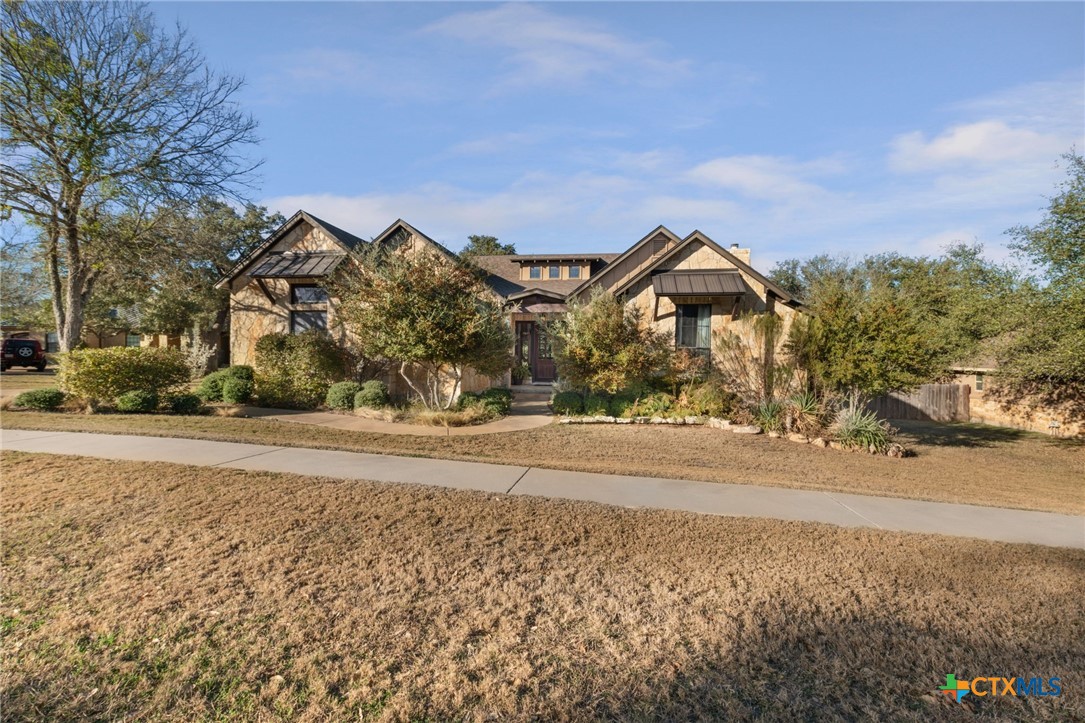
[
  {"x": 548, "y": 49},
  {"x": 983, "y": 143},
  {"x": 762, "y": 177}
]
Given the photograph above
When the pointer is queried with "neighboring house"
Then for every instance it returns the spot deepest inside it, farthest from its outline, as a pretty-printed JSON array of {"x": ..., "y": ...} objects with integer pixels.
[
  {"x": 688, "y": 287},
  {"x": 991, "y": 403}
]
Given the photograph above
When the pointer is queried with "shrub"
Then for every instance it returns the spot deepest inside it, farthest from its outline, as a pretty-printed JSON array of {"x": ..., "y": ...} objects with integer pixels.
[
  {"x": 567, "y": 403},
  {"x": 497, "y": 400},
  {"x": 241, "y": 371},
  {"x": 236, "y": 390},
  {"x": 373, "y": 394},
  {"x": 468, "y": 399},
  {"x": 655, "y": 405},
  {"x": 185, "y": 404},
  {"x": 210, "y": 388},
  {"x": 137, "y": 401},
  {"x": 804, "y": 412},
  {"x": 861, "y": 428},
  {"x": 712, "y": 399},
  {"x": 41, "y": 399},
  {"x": 596, "y": 404},
  {"x": 341, "y": 395},
  {"x": 769, "y": 416},
  {"x": 296, "y": 370},
  {"x": 105, "y": 374}
]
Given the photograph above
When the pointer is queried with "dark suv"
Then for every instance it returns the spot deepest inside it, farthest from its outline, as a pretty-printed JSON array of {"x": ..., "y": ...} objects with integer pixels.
[{"x": 22, "y": 353}]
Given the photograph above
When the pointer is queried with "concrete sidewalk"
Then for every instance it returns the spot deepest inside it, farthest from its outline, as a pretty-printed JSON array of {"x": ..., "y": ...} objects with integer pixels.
[{"x": 990, "y": 523}]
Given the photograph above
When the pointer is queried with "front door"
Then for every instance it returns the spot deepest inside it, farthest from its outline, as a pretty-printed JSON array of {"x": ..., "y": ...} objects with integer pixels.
[{"x": 533, "y": 346}]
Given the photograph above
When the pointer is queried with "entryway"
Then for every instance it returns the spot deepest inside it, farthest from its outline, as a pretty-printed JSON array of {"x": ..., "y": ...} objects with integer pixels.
[{"x": 533, "y": 347}]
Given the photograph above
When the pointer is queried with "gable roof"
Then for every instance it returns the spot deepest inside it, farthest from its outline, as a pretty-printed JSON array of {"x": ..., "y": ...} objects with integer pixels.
[
  {"x": 738, "y": 263},
  {"x": 348, "y": 241},
  {"x": 387, "y": 234},
  {"x": 661, "y": 229}
]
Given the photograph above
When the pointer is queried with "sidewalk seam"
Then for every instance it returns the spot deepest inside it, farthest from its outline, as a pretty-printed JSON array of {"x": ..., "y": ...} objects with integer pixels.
[
  {"x": 854, "y": 512},
  {"x": 509, "y": 490},
  {"x": 249, "y": 456}
]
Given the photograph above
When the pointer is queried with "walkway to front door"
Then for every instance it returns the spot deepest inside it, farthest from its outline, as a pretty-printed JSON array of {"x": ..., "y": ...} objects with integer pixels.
[{"x": 533, "y": 346}]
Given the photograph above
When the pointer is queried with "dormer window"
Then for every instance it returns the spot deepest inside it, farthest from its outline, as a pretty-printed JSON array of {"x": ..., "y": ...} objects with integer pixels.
[
  {"x": 555, "y": 272},
  {"x": 535, "y": 272},
  {"x": 574, "y": 272}
]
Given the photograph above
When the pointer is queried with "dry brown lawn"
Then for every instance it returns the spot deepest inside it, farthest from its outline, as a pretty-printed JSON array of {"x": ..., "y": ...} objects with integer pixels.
[
  {"x": 15, "y": 381},
  {"x": 166, "y": 592},
  {"x": 964, "y": 463}
]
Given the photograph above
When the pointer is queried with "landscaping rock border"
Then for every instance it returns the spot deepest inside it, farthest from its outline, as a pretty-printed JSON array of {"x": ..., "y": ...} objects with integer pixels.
[{"x": 894, "y": 450}]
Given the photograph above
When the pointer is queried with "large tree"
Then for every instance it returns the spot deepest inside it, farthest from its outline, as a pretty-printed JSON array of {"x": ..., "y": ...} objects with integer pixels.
[
  {"x": 424, "y": 311},
  {"x": 486, "y": 246},
  {"x": 105, "y": 116},
  {"x": 1046, "y": 349}
]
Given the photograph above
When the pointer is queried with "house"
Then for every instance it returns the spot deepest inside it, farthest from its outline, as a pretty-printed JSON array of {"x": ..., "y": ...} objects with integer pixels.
[
  {"x": 687, "y": 287},
  {"x": 996, "y": 404}
]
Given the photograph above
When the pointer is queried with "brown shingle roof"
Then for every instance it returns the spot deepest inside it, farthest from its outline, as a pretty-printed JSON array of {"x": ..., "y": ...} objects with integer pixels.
[{"x": 504, "y": 273}]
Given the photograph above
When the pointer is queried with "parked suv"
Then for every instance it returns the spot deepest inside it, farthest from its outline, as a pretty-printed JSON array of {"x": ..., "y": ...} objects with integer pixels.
[{"x": 22, "y": 353}]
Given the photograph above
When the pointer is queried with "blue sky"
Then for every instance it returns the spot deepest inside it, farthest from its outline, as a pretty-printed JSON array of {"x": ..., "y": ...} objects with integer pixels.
[{"x": 794, "y": 129}]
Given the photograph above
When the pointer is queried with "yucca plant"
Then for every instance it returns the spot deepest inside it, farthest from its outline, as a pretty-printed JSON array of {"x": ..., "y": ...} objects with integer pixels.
[
  {"x": 769, "y": 416},
  {"x": 861, "y": 428},
  {"x": 804, "y": 412}
]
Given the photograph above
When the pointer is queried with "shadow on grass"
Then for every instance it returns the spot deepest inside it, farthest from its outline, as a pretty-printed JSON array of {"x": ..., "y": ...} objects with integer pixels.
[{"x": 966, "y": 434}]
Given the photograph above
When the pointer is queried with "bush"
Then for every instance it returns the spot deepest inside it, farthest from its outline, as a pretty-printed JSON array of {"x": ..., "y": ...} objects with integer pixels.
[
  {"x": 861, "y": 428},
  {"x": 137, "y": 401},
  {"x": 373, "y": 395},
  {"x": 105, "y": 374},
  {"x": 185, "y": 404},
  {"x": 567, "y": 403},
  {"x": 497, "y": 400},
  {"x": 296, "y": 370},
  {"x": 769, "y": 416},
  {"x": 596, "y": 404},
  {"x": 655, "y": 405},
  {"x": 210, "y": 389},
  {"x": 341, "y": 395},
  {"x": 805, "y": 412},
  {"x": 236, "y": 390},
  {"x": 44, "y": 400},
  {"x": 468, "y": 399},
  {"x": 712, "y": 399}
]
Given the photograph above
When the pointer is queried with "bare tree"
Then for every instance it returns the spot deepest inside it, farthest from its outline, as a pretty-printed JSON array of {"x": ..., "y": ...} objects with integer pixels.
[{"x": 106, "y": 120}]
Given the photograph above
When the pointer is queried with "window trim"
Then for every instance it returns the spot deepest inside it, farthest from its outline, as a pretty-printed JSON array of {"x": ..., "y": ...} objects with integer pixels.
[
  {"x": 979, "y": 382},
  {"x": 574, "y": 271},
  {"x": 680, "y": 316},
  {"x": 534, "y": 272},
  {"x": 128, "y": 336},
  {"x": 550, "y": 273}
]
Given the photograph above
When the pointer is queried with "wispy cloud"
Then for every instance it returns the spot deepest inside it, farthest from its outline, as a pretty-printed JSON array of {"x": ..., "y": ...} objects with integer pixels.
[
  {"x": 765, "y": 177},
  {"x": 985, "y": 143},
  {"x": 544, "y": 48}
]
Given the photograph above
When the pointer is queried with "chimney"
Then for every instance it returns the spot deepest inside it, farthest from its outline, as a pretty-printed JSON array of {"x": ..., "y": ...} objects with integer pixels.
[{"x": 741, "y": 254}]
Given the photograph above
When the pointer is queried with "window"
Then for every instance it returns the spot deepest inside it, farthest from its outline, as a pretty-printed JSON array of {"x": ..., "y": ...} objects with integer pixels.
[
  {"x": 555, "y": 272},
  {"x": 535, "y": 272},
  {"x": 308, "y": 294},
  {"x": 979, "y": 382},
  {"x": 574, "y": 272},
  {"x": 52, "y": 342},
  {"x": 693, "y": 327},
  {"x": 305, "y": 320},
  {"x": 131, "y": 340},
  {"x": 546, "y": 349}
]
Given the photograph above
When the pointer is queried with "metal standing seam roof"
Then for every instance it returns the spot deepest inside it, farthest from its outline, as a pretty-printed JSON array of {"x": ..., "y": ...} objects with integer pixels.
[
  {"x": 698, "y": 283},
  {"x": 297, "y": 265}
]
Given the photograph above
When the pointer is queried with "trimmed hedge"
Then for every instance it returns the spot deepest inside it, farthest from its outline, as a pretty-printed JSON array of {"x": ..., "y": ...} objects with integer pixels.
[
  {"x": 210, "y": 389},
  {"x": 373, "y": 394},
  {"x": 341, "y": 395},
  {"x": 98, "y": 375},
  {"x": 236, "y": 390},
  {"x": 137, "y": 401},
  {"x": 185, "y": 404},
  {"x": 44, "y": 400},
  {"x": 567, "y": 403},
  {"x": 296, "y": 370}
]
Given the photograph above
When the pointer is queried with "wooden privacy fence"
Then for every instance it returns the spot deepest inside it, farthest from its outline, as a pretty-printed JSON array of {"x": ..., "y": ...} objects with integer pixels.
[{"x": 935, "y": 402}]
